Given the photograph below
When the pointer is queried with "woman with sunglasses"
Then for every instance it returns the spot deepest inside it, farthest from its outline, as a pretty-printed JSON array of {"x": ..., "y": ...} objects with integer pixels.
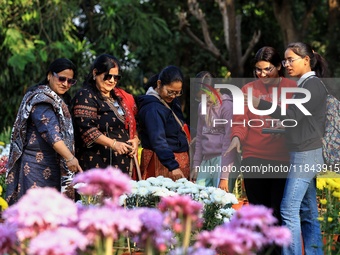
[
  {"x": 164, "y": 141},
  {"x": 42, "y": 142},
  {"x": 259, "y": 149},
  {"x": 104, "y": 119},
  {"x": 299, "y": 208}
]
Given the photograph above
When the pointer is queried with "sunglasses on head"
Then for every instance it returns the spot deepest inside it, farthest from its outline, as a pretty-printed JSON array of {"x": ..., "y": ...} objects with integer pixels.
[
  {"x": 63, "y": 79},
  {"x": 116, "y": 77}
]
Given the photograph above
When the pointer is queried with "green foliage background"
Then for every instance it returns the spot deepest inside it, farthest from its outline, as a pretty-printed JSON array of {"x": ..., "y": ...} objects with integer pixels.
[{"x": 143, "y": 34}]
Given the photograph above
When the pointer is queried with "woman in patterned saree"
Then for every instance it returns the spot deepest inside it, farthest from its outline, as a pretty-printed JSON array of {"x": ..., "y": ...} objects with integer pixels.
[
  {"x": 105, "y": 126},
  {"x": 42, "y": 142}
]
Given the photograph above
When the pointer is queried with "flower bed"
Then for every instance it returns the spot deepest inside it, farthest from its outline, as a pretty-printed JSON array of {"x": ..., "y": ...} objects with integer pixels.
[{"x": 46, "y": 222}]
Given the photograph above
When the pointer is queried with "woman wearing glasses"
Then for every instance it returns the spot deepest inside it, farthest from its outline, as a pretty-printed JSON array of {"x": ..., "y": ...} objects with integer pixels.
[
  {"x": 165, "y": 144},
  {"x": 42, "y": 142},
  {"x": 104, "y": 119},
  {"x": 263, "y": 150},
  {"x": 299, "y": 205}
]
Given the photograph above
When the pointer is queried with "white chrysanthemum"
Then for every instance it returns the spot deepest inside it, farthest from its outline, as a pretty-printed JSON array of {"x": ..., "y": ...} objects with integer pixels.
[
  {"x": 122, "y": 199},
  {"x": 154, "y": 181},
  {"x": 228, "y": 212},
  {"x": 163, "y": 192},
  {"x": 182, "y": 180},
  {"x": 203, "y": 194},
  {"x": 143, "y": 183},
  {"x": 170, "y": 185},
  {"x": 231, "y": 199},
  {"x": 218, "y": 196},
  {"x": 143, "y": 191}
]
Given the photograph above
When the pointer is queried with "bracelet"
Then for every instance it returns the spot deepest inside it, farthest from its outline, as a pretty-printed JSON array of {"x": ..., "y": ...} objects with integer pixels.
[
  {"x": 68, "y": 160},
  {"x": 113, "y": 144}
]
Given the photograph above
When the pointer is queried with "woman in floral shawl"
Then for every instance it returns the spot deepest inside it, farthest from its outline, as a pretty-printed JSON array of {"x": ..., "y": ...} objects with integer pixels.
[{"x": 42, "y": 142}]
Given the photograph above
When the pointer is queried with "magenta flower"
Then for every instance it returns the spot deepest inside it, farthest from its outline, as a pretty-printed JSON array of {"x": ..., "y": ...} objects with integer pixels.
[
  {"x": 111, "y": 181},
  {"x": 60, "y": 241},
  {"x": 108, "y": 222},
  {"x": 8, "y": 237},
  {"x": 40, "y": 209}
]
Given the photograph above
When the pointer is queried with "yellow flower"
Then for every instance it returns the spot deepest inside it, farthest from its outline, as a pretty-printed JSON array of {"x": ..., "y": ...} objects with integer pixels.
[
  {"x": 321, "y": 218},
  {"x": 1, "y": 189},
  {"x": 330, "y": 219},
  {"x": 336, "y": 194},
  {"x": 2, "y": 143},
  {"x": 323, "y": 201},
  {"x": 3, "y": 204},
  {"x": 320, "y": 183}
]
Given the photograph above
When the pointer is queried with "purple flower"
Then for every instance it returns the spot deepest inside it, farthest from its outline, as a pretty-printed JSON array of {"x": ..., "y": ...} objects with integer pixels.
[
  {"x": 8, "y": 237},
  {"x": 153, "y": 229},
  {"x": 40, "y": 209},
  {"x": 111, "y": 181},
  {"x": 60, "y": 241}
]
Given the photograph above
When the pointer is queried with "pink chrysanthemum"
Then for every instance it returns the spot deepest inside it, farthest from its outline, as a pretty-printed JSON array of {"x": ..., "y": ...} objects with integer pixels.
[
  {"x": 108, "y": 222},
  {"x": 247, "y": 232},
  {"x": 60, "y": 241},
  {"x": 40, "y": 209},
  {"x": 181, "y": 205},
  {"x": 253, "y": 217},
  {"x": 3, "y": 163},
  {"x": 111, "y": 181}
]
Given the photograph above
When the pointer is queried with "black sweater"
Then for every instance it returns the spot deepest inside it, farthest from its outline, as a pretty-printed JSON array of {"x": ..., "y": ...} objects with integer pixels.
[{"x": 307, "y": 134}]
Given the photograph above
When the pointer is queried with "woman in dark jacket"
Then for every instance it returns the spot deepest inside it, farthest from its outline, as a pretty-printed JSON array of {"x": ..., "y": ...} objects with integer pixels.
[{"x": 165, "y": 144}]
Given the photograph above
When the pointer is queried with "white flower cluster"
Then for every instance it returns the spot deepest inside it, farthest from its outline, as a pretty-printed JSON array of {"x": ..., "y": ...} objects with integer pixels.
[
  {"x": 4, "y": 150},
  {"x": 161, "y": 186}
]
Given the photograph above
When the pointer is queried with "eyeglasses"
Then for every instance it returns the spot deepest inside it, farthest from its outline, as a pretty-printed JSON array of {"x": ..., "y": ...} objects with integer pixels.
[
  {"x": 63, "y": 79},
  {"x": 115, "y": 77},
  {"x": 265, "y": 70},
  {"x": 173, "y": 93},
  {"x": 289, "y": 61}
]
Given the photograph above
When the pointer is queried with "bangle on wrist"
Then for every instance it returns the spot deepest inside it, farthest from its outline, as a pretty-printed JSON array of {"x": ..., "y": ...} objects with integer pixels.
[
  {"x": 113, "y": 144},
  {"x": 68, "y": 160}
]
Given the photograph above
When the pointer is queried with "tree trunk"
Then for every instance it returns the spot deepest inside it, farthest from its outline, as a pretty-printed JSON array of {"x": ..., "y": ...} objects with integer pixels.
[{"x": 284, "y": 15}]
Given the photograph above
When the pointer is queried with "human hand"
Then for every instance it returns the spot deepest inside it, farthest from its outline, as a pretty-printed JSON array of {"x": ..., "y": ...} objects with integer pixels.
[
  {"x": 224, "y": 185},
  {"x": 73, "y": 165},
  {"x": 177, "y": 174},
  {"x": 193, "y": 175},
  {"x": 122, "y": 148},
  {"x": 235, "y": 143},
  {"x": 134, "y": 143}
]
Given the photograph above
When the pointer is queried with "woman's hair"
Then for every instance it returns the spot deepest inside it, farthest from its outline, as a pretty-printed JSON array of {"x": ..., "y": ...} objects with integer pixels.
[
  {"x": 170, "y": 74},
  {"x": 269, "y": 54},
  {"x": 103, "y": 63},
  {"x": 317, "y": 63},
  {"x": 58, "y": 65},
  {"x": 152, "y": 82}
]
